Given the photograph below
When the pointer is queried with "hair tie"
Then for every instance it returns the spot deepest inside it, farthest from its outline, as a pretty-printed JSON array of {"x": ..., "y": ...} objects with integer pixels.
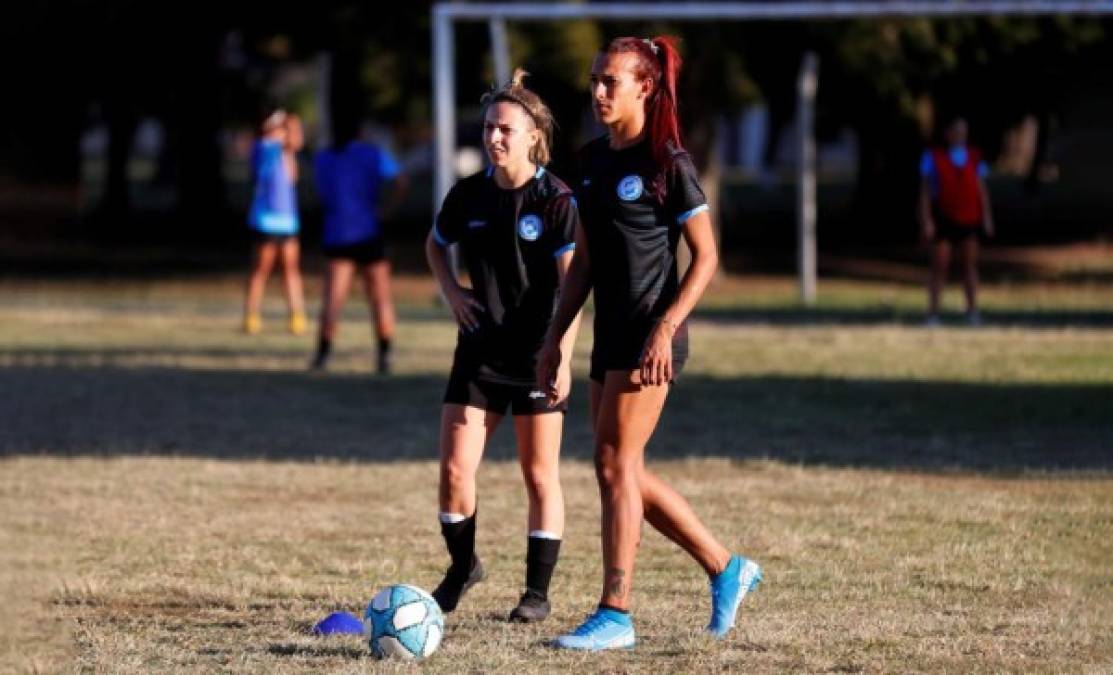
[{"x": 652, "y": 45}]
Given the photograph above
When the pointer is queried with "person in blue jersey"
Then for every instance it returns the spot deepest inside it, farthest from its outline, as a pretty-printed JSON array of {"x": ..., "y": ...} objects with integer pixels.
[
  {"x": 638, "y": 194},
  {"x": 352, "y": 178},
  {"x": 515, "y": 226},
  {"x": 273, "y": 218},
  {"x": 954, "y": 211}
]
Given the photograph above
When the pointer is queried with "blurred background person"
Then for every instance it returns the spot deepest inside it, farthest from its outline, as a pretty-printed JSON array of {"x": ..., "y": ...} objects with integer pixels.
[
  {"x": 273, "y": 218},
  {"x": 954, "y": 212},
  {"x": 353, "y": 176}
]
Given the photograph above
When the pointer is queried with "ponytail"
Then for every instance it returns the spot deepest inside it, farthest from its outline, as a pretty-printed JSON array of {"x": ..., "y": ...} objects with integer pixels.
[{"x": 661, "y": 109}]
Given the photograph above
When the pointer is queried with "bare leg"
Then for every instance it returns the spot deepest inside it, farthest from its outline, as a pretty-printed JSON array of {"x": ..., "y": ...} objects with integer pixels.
[
  {"x": 464, "y": 434},
  {"x": 539, "y": 457},
  {"x": 940, "y": 262},
  {"x": 665, "y": 509},
  {"x": 377, "y": 280},
  {"x": 265, "y": 255},
  {"x": 671, "y": 515},
  {"x": 338, "y": 282},
  {"x": 626, "y": 417},
  {"x": 291, "y": 275},
  {"x": 969, "y": 253}
]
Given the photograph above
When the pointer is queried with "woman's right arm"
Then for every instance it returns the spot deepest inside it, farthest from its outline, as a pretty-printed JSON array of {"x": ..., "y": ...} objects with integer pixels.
[{"x": 463, "y": 304}]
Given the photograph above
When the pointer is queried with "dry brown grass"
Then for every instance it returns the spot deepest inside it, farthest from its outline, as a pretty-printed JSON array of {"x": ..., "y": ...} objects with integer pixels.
[
  {"x": 177, "y": 498},
  {"x": 163, "y": 565}
]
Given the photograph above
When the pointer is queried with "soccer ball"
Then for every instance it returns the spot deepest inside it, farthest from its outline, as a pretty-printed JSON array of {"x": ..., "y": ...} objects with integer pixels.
[{"x": 403, "y": 622}]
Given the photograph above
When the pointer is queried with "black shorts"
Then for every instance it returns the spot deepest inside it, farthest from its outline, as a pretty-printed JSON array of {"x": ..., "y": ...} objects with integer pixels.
[
  {"x": 259, "y": 237},
  {"x": 470, "y": 383},
  {"x": 956, "y": 233},
  {"x": 361, "y": 253},
  {"x": 622, "y": 350}
]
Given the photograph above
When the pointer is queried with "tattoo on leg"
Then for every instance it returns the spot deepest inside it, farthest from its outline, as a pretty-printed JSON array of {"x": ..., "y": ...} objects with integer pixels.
[{"x": 616, "y": 581}]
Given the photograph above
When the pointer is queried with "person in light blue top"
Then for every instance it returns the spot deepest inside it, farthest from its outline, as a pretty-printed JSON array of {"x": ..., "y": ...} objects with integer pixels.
[
  {"x": 274, "y": 207},
  {"x": 352, "y": 178},
  {"x": 273, "y": 218}
]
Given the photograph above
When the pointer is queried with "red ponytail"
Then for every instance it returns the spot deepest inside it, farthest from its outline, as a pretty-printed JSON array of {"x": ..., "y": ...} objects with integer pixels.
[{"x": 659, "y": 61}]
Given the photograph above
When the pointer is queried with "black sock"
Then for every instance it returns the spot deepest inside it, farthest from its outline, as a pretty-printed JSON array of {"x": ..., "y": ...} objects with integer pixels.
[
  {"x": 613, "y": 608},
  {"x": 324, "y": 347},
  {"x": 384, "y": 346},
  {"x": 460, "y": 539},
  {"x": 541, "y": 559}
]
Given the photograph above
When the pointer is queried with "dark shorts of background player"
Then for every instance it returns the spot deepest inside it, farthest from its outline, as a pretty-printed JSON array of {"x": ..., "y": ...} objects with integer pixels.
[
  {"x": 260, "y": 237},
  {"x": 955, "y": 233},
  {"x": 467, "y": 387},
  {"x": 626, "y": 354},
  {"x": 361, "y": 253}
]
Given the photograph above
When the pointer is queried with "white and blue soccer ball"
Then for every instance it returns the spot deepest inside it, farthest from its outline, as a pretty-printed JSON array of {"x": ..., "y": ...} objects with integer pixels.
[{"x": 403, "y": 622}]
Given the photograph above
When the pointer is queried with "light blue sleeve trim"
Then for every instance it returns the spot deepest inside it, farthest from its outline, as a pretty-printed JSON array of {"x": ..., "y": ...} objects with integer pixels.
[
  {"x": 388, "y": 166},
  {"x": 564, "y": 249},
  {"x": 683, "y": 217},
  {"x": 959, "y": 154},
  {"x": 438, "y": 238}
]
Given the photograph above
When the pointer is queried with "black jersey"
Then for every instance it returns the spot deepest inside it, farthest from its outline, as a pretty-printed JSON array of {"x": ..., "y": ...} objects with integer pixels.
[
  {"x": 509, "y": 241},
  {"x": 633, "y": 210}
]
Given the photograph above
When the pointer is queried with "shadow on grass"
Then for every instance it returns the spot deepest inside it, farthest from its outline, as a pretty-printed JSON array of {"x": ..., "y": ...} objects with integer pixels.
[
  {"x": 317, "y": 651},
  {"x": 885, "y": 314},
  {"x": 928, "y": 425}
]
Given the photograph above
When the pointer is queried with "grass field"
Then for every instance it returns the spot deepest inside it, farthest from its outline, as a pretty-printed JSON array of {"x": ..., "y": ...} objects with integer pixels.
[{"x": 175, "y": 497}]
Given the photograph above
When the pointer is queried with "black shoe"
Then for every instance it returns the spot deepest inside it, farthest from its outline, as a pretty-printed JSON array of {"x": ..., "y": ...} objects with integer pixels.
[
  {"x": 532, "y": 607},
  {"x": 452, "y": 588},
  {"x": 320, "y": 362},
  {"x": 385, "y": 363}
]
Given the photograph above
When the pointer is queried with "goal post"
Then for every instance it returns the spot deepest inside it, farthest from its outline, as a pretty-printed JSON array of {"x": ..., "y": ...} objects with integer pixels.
[{"x": 446, "y": 14}]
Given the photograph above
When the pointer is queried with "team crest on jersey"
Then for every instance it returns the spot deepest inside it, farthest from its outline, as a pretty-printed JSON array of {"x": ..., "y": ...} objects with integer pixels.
[
  {"x": 630, "y": 188},
  {"x": 529, "y": 227}
]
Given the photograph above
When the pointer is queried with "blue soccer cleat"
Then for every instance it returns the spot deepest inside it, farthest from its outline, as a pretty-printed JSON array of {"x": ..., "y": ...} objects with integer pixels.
[
  {"x": 728, "y": 588},
  {"x": 605, "y": 629}
]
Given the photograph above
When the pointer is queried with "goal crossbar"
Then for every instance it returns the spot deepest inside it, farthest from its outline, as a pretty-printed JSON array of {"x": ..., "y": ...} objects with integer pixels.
[{"x": 445, "y": 14}]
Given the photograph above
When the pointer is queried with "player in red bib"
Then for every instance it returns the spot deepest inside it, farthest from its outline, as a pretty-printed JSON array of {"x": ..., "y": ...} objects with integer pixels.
[{"x": 954, "y": 210}]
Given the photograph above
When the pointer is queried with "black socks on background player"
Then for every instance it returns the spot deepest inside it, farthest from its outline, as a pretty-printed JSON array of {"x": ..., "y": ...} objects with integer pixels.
[
  {"x": 324, "y": 349},
  {"x": 542, "y": 551},
  {"x": 384, "y": 363},
  {"x": 459, "y": 537}
]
